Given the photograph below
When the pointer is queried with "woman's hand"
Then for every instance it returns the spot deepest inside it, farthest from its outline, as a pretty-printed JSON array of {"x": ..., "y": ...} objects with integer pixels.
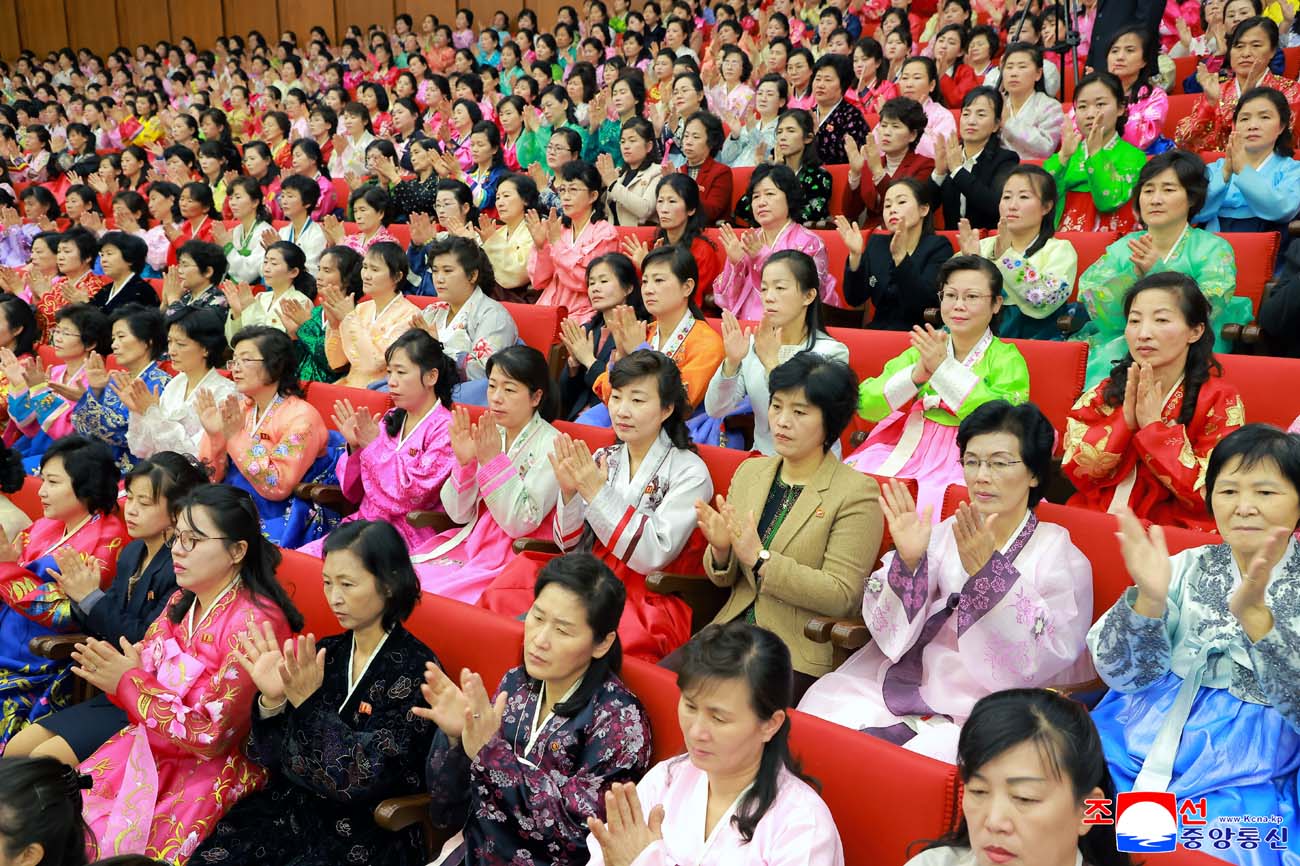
[
  {"x": 1249, "y": 602},
  {"x": 239, "y": 296},
  {"x": 635, "y": 249},
  {"x": 715, "y": 529},
  {"x": 92, "y": 222},
  {"x": 1147, "y": 403},
  {"x": 933, "y": 347},
  {"x": 857, "y": 159},
  {"x": 209, "y": 412},
  {"x": 302, "y": 668},
  {"x": 608, "y": 171},
  {"x": 626, "y": 329},
  {"x": 968, "y": 240},
  {"x": 333, "y": 229},
  {"x": 462, "y": 436},
  {"x": 102, "y": 665},
  {"x": 337, "y": 303},
  {"x": 625, "y": 833},
  {"x": 268, "y": 237},
  {"x": 220, "y": 234},
  {"x": 579, "y": 342},
  {"x": 346, "y": 421},
  {"x": 77, "y": 575},
  {"x": 732, "y": 245},
  {"x": 852, "y": 237},
  {"x": 1209, "y": 82},
  {"x": 487, "y": 440},
  {"x": 743, "y": 528},
  {"x": 172, "y": 288},
  {"x": 12, "y": 368},
  {"x": 260, "y": 656},
  {"x": 482, "y": 716},
  {"x": 910, "y": 530},
  {"x": 1002, "y": 242},
  {"x": 1142, "y": 253},
  {"x": 1070, "y": 139},
  {"x": 735, "y": 342},
  {"x": 447, "y": 703},
  {"x": 575, "y": 470},
  {"x": 767, "y": 343},
  {"x": 1146, "y": 556},
  {"x": 293, "y": 315},
  {"x": 976, "y": 542}
]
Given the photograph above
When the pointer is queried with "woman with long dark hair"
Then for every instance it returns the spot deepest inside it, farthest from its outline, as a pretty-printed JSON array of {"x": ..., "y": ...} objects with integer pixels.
[
  {"x": 495, "y": 766},
  {"x": 163, "y": 782},
  {"x": 1142, "y": 437},
  {"x": 682, "y": 223},
  {"x": 41, "y": 812},
  {"x": 738, "y": 779}
]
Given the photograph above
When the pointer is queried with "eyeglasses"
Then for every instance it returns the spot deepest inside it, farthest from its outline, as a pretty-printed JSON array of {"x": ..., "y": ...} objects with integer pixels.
[
  {"x": 66, "y": 334},
  {"x": 238, "y": 362},
  {"x": 997, "y": 466},
  {"x": 966, "y": 300},
  {"x": 556, "y": 147},
  {"x": 188, "y": 539}
]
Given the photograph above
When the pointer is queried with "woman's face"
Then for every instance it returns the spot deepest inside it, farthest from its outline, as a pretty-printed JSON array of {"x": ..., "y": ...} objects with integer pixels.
[
  {"x": 376, "y": 279},
  {"x": 212, "y": 561},
  {"x": 732, "y": 67},
  {"x": 1021, "y": 810},
  {"x": 511, "y": 120},
  {"x": 636, "y": 410},
  {"x": 662, "y": 292},
  {"x": 1259, "y": 125},
  {"x": 895, "y": 48},
  {"x": 784, "y": 300},
  {"x": 160, "y": 207},
  {"x": 686, "y": 99},
  {"x": 367, "y": 218},
  {"x": 1019, "y": 73},
  {"x": 509, "y": 401},
  {"x": 663, "y": 67},
  {"x": 894, "y": 136},
  {"x": 403, "y": 119},
  {"x": 1125, "y": 60},
  {"x": 145, "y": 511},
  {"x": 798, "y": 425},
  {"x": 633, "y": 147},
  {"x": 481, "y": 150},
  {"x": 790, "y": 138},
  {"x": 1250, "y": 501},
  {"x": 291, "y": 203},
  {"x": 275, "y": 271},
  {"x": 621, "y": 99},
  {"x": 366, "y": 97},
  {"x": 210, "y": 166},
  {"x": 1251, "y": 53},
  {"x": 130, "y": 165},
  {"x": 446, "y": 206},
  {"x": 1022, "y": 205},
  {"x": 998, "y": 480},
  {"x": 576, "y": 198},
  {"x": 771, "y": 207},
  {"x": 192, "y": 278},
  {"x": 670, "y": 208},
  {"x": 128, "y": 349},
  {"x": 554, "y": 110},
  {"x": 1095, "y": 105},
  {"x": 408, "y": 385},
  {"x": 353, "y": 124},
  {"x": 977, "y": 51},
  {"x": 58, "y": 501},
  {"x": 947, "y": 48},
  {"x": 1157, "y": 332},
  {"x": 1235, "y": 12},
  {"x": 69, "y": 259},
  {"x": 914, "y": 82},
  {"x": 967, "y": 305},
  {"x": 190, "y": 209},
  {"x": 1163, "y": 201},
  {"x": 559, "y": 645},
  {"x": 74, "y": 206},
  {"x": 979, "y": 121},
  {"x": 115, "y": 267},
  {"x": 454, "y": 285},
  {"x": 798, "y": 70},
  {"x": 723, "y": 734},
  {"x": 510, "y": 207},
  {"x": 902, "y": 212},
  {"x": 695, "y": 143},
  {"x": 767, "y": 100},
  {"x": 187, "y": 355},
  {"x": 604, "y": 289}
]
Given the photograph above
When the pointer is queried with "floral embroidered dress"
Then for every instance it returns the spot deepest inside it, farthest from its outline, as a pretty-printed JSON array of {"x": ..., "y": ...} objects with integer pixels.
[
  {"x": 331, "y": 761},
  {"x": 1157, "y": 471},
  {"x": 54, "y": 300},
  {"x": 1096, "y": 190},
  {"x": 395, "y": 475},
  {"x": 103, "y": 416},
  {"x": 737, "y": 287},
  {"x": 1146, "y": 117},
  {"x": 173, "y": 424},
  {"x": 161, "y": 784},
  {"x": 511, "y": 496},
  {"x": 942, "y": 639},
  {"x": 916, "y": 433},
  {"x": 481, "y": 328},
  {"x": 527, "y": 795},
  {"x": 363, "y": 337},
  {"x": 1208, "y": 126},
  {"x": 1201, "y": 255},
  {"x": 42, "y": 416},
  {"x": 1034, "y": 287},
  {"x": 271, "y": 454},
  {"x": 33, "y": 605},
  {"x": 1196, "y": 708}
]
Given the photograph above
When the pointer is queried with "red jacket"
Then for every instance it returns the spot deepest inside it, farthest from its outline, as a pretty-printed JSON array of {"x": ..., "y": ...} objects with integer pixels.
[{"x": 714, "y": 181}]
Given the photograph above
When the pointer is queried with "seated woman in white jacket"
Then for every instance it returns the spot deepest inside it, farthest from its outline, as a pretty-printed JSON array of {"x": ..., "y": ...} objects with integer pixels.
[
  {"x": 196, "y": 343},
  {"x": 243, "y": 243},
  {"x": 284, "y": 271},
  {"x": 792, "y": 323},
  {"x": 737, "y": 795}
]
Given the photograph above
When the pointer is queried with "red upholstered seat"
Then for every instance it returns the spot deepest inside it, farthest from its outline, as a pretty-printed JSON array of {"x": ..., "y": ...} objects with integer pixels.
[
  {"x": 1256, "y": 253},
  {"x": 1267, "y": 386},
  {"x": 539, "y": 326},
  {"x": 28, "y": 498},
  {"x": 323, "y": 395}
]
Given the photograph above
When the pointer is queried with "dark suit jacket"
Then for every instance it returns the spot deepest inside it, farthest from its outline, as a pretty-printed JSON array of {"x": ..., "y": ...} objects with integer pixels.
[
  {"x": 899, "y": 293},
  {"x": 136, "y": 291},
  {"x": 979, "y": 185},
  {"x": 113, "y": 615}
]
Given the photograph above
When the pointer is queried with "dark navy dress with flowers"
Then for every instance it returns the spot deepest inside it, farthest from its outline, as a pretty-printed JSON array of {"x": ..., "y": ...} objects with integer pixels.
[
  {"x": 332, "y": 761},
  {"x": 530, "y": 806}
]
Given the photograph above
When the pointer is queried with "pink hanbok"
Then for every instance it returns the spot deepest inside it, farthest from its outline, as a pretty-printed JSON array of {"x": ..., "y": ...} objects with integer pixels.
[
  {"x": 737, "y": 287},
  {"x": 797, "y": 829},
  {"x": 393, "y": 476},
  {"x": 943, "y": 639},
  {"x": 560, "y": 269},
  {"x": 511, "y": 496},
  {"x": 162, "y": 783}
]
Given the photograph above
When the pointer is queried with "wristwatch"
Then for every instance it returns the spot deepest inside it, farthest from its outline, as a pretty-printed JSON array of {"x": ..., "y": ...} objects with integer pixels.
[{"x": 763, "y": 557}]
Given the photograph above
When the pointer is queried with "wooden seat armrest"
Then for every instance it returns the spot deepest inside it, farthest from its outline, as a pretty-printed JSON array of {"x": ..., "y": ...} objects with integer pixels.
[
  {"x": 818, "y": 628},
  {"x": 1071, "y": 689},
  {"x": 438, "y": 521},
  {"x": 1248, "y": 334},
  {"x": 398, "y": 813},
  {"x": 58, "y": 647},
  {"x": 667, "y": 583},
  {"x": 331, "y": 496},
  {"x": 303, "y": 491},
  {"x": 535, "y": 545},
  {"x": 849, "y": 635}
]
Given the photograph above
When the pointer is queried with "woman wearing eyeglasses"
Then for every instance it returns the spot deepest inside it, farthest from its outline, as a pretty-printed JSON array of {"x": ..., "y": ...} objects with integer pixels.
[
  {"x": 273, "y": 440},
  {"x": 989, "y": 599}
]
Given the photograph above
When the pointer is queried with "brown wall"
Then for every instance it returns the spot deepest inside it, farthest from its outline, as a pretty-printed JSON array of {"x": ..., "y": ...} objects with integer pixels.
[{"x": 44, "y": 25}]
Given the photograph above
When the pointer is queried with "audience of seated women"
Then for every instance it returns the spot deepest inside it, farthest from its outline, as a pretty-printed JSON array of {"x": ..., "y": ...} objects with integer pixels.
[
  {"x": 966, "y": 169},
  {"x": 1038, "y": 269},
  {"x": 40, "y": 401},
  {"x": 340, "y": 287},
  {"x": 161, "y": 783},
  {"x": 1171, "y": 190},
  {"x": 333, "y": 722},
  {"x": 777, "y": 196},
  {"x": 285, "y": 278},
  {"x": 921, "y": 396},
  {"x": 1200, "y": 655},
  {"x": 76, "y": 283},
  {"x": 897, "y": 271},
  {"x": 1131, "y": 58},
  {"x": 79, "y": 525},
  {"x": 519, "y": 775},
  {"x": 794, "y": 536},
  {"x": 243, "y": 243},
  {"x": 1095, "y": 168},
  {"x": 1142, "y": 437},
  {"x": 297, "y": 198},
  {"x": 791, "y": 324},
  {"x": 268, "y": 439},
  {"x": 139, "y": 336},
  {"x": 1030, "y": 762},
  {"x": 144, "y": 583},
  {"x": 507, "y": 240},
  {"x": 1020, "y": 589},
  {"x": 701, "y": 143},
  {"x": 195, "y": 279},
  {"x": 738, "y": 792},
  {"x": 1246, "y": 182},
  {"x": 918, "y": 80},
  {"x": 795, "y": 147}
]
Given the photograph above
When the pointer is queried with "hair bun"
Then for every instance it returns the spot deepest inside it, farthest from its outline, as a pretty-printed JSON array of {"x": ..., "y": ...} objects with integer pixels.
[{"x": 75, "y": 782}]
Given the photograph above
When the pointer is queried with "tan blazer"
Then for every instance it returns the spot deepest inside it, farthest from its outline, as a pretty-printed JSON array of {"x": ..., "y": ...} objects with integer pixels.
[{"x": 821, "y": 555}]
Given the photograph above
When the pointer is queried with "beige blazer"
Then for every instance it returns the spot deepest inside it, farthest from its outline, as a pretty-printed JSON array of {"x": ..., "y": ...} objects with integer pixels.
[{"x": 821, "y": 555}]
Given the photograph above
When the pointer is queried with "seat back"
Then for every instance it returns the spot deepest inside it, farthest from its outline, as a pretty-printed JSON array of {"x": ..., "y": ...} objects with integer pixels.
[
  {"x": 739, "y": 185},
  {"x": 342, "y": 192},
  {"x": 915, "y": 797},
  {"x": 1056, "y": 376},
  {"x": 323, "y": 396},
  {"x": 1180, "y": 105},
  {"x": 1088, "y": 246},
  {"x": 28, "y": 498},
  {"x": 1183, "y": 67},
  {"x": 539, "y": 326},
  {"x": 646, "y": 234},
  {"x": 656, "y": 687},
  {"x": 595, "y": 437},
  {"x": 1291, "y": 56},
  {"x": 1256, "y": 253},
  {"x": 300, "y": 575},
  {"x": 723, "y": 463},
  {"x": 1257, "y": 379}
]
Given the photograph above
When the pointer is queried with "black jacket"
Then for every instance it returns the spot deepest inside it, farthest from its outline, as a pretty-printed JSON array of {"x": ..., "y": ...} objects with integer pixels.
[
  {"x": 136, "y": 291},
  {"x": 979, "y": 185},
  {"x": 114, "y": 616},
  {"x": 899, "y": 293}
]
